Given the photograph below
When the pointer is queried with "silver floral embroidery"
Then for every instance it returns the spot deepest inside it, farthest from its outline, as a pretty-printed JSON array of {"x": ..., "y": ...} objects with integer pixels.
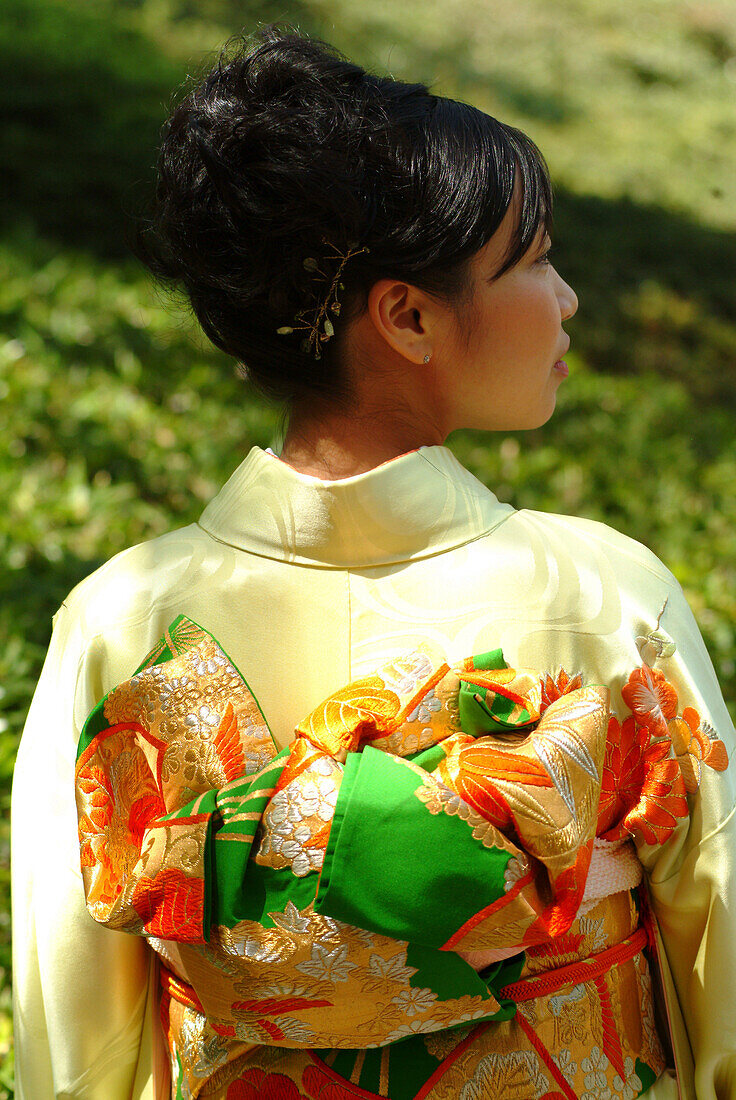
[
  {"x": 201, "y": 724},
  {"x": 438, "y": 799},
  {"x": 411, "y": 1001},
  {"x": 327, "y": 966},
  {"x": 291, "y": 920},
  {"x": 207, "y": 664},
  {"x": 424, "y": 710},
  {"x": 567, "y": 1067},
  {"x": 559, "y": 1003},
  {"x": 498, "y": 1070},
  {"x": 596, "y": 1079},
  {"x": 631, "y": 1085},
  {"x": 285, "y": 832},
  {"x": 392, "y": 969},
  {"x": 410, "y": 671},
  {"x": 516, "y": 868}
]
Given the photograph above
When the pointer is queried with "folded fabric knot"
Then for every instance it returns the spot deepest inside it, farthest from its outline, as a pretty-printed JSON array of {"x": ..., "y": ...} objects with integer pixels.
[
  {"x": 424, "y": 817},
  {"x": 480, "y": 695},
  {"x": 494, "y": 698}
]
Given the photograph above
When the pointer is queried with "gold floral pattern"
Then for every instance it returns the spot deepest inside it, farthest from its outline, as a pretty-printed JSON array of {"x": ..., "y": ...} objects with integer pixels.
[{"x": 183, "y": 745}]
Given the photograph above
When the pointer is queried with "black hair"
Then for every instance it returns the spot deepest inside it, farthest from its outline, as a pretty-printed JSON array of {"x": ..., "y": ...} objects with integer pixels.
[{"x": 285, "y": 145}]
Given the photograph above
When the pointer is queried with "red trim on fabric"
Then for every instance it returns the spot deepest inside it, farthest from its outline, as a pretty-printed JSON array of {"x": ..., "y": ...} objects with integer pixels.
[
  {"x": 194, "y": 819},
  {"x": 155, "y": 742},
  {"x": 178, "y": 989},
  {"x": 611, "y": 1042},
  {"x": 350, "y": 1088},
  {"x": 433, "y": 680},
  {"x": 586, "y": 970},
  {"x": 499, "y": 689},
  {"x": 449, "y": 1060},
  {"x": 479, "y": 917},
  {"x": 333, "y": 480},
  {"x": 545, "y": 1056},
  {"x": 108, "y": 732},
  {"x": 302, "y": 756},
  {"x": 274, "y": 1006}
]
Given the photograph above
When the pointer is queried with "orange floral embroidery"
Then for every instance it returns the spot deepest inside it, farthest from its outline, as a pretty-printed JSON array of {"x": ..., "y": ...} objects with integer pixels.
[
  {"x": 642, "y": 791},
  {"x": 695, "y": 745},
  {"x": 171, "y": 905},
  {"x": 143, "y": 811},
  {"x": 96, "y": 786},
  {"x": 661, "y": 803},
  {"x": 480, "y": 763},
  {"x": 557, "y": 686},
  {"x": 651, "y": 698}
]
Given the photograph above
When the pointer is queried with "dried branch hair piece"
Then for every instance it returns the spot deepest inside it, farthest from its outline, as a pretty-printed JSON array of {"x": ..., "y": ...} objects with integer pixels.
[{"x": 316, "y": 319}]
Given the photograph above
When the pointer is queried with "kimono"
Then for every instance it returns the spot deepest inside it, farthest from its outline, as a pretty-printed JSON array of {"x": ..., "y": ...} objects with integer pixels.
[{"x": 440, "y": 896}]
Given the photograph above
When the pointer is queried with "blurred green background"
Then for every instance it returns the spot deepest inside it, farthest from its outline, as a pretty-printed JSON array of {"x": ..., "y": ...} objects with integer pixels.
[{"x": 119, "y": 421}]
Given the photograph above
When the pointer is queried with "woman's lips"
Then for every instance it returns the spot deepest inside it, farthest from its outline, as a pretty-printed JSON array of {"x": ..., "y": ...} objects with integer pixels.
[{"x": 562, "y": 367}]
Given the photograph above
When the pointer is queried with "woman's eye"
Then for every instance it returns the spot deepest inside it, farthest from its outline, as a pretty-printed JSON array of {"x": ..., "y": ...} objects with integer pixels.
[{"x": 545, "y": 258}]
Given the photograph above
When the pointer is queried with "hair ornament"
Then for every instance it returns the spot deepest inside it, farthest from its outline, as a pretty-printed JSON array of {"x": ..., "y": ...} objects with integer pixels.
[{"x": 315, "y": 320}]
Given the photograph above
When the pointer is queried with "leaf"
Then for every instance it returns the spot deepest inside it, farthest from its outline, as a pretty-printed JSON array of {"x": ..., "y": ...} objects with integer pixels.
[
  {"x": 569, "y": 743},
  {"x": 329, "y": 328},
  {"x": 310, "y": 264},
  {"x": 559, "y": 775},
  {"x": 285, "y": 330}
]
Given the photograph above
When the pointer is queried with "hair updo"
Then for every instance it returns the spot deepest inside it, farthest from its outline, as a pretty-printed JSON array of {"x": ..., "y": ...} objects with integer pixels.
[{"x": 286, "y": 144}]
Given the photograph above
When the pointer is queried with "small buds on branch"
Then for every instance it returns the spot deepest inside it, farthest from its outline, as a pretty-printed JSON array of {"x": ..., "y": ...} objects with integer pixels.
[{"x": 316, "y": 320}]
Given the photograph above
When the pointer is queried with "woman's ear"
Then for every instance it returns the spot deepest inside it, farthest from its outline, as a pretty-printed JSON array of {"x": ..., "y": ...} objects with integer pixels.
[{"x": 405, "y": 317}]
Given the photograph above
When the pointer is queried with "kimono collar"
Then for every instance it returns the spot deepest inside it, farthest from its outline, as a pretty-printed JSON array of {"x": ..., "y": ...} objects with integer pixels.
[{"x": 413, "y": 506}]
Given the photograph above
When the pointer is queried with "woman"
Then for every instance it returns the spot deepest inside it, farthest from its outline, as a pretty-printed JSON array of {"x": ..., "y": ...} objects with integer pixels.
[{"x": 377, "y": 257}]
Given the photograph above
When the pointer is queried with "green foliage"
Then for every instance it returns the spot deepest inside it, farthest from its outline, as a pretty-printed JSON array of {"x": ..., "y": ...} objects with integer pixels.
[
  {"x": 81, "y": 116},
  {"x": 119, "y": 422}
]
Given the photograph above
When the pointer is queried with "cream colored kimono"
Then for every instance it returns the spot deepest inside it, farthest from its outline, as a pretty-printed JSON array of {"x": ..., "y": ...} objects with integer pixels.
[{"x": 308, "y": 584}]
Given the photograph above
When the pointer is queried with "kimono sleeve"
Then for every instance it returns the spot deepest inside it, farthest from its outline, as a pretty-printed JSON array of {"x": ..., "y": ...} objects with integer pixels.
[
  {"x": 692, "y": 879},
  {"x": 82, "y": 993}
]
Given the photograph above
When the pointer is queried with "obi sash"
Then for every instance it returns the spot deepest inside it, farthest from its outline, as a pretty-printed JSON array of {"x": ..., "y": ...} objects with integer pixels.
[{"x": 431, "y": 892}]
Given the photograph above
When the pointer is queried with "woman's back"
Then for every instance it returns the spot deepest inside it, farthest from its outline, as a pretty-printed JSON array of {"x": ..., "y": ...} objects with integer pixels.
[
  {"x": 377, "y": 257},
  {"x": 308, "y": 584}
]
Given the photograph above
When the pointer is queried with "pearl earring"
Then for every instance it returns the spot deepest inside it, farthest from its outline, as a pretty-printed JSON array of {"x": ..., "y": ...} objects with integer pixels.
[{"x": 427, "y": 358}]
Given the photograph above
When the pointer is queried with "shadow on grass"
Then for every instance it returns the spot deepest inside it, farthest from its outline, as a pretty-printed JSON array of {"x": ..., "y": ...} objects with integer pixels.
[{"x": 80, "y": 126}]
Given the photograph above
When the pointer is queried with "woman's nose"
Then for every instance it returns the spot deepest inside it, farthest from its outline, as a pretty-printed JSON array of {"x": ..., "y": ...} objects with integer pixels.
[{"x": 568, "y": 300}]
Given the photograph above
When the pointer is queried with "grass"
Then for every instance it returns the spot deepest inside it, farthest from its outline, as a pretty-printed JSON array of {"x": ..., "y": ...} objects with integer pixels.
[{"x": 120, "y": 421}]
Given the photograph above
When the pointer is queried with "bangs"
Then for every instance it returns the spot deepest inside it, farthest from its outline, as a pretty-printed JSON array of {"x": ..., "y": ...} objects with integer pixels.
[
  {"x": 536, "y": 197},
  {"x": 473, "y": 164}
]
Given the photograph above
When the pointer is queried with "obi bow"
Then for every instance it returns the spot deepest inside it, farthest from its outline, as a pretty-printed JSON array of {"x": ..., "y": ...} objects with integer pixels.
[{"x": 422, "y": 814}]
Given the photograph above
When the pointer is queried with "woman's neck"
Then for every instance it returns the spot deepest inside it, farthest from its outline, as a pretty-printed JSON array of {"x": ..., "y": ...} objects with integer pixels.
[{"x": 337, "y": 445}]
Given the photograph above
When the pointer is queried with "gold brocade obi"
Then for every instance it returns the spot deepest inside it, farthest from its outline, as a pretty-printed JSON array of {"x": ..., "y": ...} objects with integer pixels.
[
  {"x": 593, "y": 1033},
  {"x": 432, "y": 892}
]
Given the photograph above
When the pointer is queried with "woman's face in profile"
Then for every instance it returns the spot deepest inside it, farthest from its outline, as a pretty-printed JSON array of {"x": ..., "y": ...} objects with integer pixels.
[{"x": 506, "y": 371}]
